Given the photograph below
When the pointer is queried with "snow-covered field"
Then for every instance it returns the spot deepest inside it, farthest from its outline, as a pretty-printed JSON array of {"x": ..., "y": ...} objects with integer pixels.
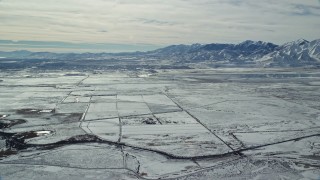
[{"x": 173, "y": 124}]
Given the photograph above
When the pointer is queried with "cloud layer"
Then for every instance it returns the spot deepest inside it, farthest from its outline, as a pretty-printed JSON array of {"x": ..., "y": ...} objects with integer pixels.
[{"x": 159, "y": 22}]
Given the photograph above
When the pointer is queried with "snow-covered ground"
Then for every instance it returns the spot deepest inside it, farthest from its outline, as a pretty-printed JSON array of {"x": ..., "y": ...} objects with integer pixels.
[{"x": 178, "y": 124}]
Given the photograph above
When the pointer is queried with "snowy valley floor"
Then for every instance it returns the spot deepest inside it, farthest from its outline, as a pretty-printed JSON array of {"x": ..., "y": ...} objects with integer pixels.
[{"x": 164, "y": 124}]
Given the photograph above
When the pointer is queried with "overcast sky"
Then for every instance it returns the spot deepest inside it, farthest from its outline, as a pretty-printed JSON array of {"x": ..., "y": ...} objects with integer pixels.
[{"x": 129, "y": 25}]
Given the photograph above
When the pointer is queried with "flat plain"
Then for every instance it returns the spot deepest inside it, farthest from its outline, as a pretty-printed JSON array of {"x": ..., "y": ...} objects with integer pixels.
[{"x": 230, "y": 123}]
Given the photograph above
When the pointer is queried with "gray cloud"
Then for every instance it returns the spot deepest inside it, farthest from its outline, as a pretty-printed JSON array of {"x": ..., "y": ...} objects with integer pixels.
[
  {"x": 305, "y": 10},
  {"x": 159, "y": 22}
]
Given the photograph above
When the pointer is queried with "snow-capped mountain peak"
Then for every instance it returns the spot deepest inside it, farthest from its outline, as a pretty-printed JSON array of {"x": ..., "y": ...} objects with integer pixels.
[
  {"x": 296, "y": 53},
  {"x": 247, "y": 53},
  {"x": 299, "y": 42}
]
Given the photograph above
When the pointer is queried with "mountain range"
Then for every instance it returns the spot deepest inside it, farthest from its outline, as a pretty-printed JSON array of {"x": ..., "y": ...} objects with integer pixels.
[{"x": 299, "y": 53}]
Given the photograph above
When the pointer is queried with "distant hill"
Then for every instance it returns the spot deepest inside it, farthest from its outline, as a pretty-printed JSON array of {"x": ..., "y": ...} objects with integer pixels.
[{"x": 15, "y": 54}]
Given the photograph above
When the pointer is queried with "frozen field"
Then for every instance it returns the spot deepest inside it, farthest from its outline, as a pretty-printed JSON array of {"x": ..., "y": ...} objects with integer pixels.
[{"x": 169, "y": 124}]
